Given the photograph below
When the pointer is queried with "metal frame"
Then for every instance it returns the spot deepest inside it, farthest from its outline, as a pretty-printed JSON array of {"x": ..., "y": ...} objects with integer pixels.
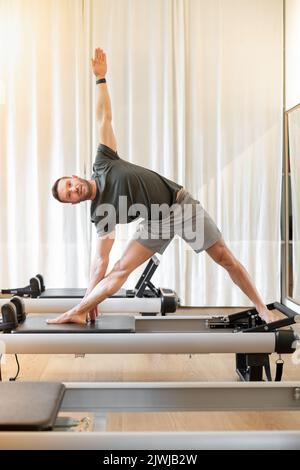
[
  {"x": 162, "y": 397},
  {"x": 138, "y": 343},
  {"x": 286, "y": 299},
  {"x": 180, "y": 396},
  {"x": 227, "y": 440},
  {"x": 157, "y": 335},
  {"x": 110, "y": 305}
]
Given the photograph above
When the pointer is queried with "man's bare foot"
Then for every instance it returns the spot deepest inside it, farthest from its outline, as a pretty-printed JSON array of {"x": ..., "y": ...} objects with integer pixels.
[
  {"x": 267, "y": 315},
  {"x": 70, "y": 317}
]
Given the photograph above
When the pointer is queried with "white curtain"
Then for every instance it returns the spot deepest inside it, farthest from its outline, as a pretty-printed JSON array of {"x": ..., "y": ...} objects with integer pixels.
[
  {"x": 196, "y": 91},
  {"x": 45, "y": 134}
]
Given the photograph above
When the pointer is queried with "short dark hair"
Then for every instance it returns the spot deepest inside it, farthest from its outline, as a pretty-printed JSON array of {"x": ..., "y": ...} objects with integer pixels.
[{"x": 55, "y": 187}]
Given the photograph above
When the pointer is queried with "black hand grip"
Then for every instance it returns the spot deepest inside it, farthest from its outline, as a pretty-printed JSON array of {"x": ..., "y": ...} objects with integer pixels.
[
  {"x": 9, "y": 317},
  {"x": 20, "y": 307},
  {"x": 41, "y": 279},
  {"x": 35, "y": 287}
]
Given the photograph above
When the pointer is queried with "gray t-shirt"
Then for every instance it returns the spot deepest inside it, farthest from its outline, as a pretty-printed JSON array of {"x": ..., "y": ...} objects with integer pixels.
[{"x": 126, "y": 191}]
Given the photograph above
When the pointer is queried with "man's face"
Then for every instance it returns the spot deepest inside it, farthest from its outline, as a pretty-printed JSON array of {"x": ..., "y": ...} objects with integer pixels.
[{"x": 74, "y": 190}]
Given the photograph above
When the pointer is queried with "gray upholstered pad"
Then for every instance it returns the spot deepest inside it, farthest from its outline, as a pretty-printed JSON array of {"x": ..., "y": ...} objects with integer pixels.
[
  {"x": 69, "y": 293},
  {"x": 29, "y": 406},
  {"x": 63, "y": 293},
  {"x": 103, "y": 324}
]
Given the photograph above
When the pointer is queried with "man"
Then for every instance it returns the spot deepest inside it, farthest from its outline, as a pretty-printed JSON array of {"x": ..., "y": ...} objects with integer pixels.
[{"x": 116, "y": 182}]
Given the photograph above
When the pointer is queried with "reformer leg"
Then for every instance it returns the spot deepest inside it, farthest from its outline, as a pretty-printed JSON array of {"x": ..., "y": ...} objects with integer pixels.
[{"x": 250, "y": 367}]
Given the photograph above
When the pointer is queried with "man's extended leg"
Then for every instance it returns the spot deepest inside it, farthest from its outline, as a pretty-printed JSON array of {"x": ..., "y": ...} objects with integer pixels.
[
  {"x": 221, "y": 254},
  {"x": 134, "y": 255}
]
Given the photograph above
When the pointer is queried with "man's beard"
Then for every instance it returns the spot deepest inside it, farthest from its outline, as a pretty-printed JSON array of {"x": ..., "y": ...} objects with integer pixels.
[{"x": 89, "y": 190}]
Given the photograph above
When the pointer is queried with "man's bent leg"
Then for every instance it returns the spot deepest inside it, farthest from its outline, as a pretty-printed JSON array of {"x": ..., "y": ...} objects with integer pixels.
[
  {"x": 134, "y": 255},
  {"x": 221, "y": 254}
]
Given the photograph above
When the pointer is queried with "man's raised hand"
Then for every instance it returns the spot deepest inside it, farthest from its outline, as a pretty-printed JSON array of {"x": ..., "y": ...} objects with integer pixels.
[{"x": 98, "y": 63}]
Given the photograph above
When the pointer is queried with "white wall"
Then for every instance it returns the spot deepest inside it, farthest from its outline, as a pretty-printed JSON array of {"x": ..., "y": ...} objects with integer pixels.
[{"x": 292, "y": 53}]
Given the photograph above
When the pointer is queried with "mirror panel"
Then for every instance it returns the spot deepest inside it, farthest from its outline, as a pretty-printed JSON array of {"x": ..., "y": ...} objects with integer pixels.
[{"x": 292, "y": 204}]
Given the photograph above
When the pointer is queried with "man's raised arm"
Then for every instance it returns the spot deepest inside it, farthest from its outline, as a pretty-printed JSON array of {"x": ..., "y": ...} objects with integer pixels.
[{"x": 103, "y": 110}]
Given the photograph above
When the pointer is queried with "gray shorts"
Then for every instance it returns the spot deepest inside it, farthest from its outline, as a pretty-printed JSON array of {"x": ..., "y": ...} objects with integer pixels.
[{"x": 187, "y": 219}]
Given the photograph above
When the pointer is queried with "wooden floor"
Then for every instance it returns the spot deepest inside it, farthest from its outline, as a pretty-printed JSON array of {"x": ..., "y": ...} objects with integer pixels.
[{"x": 159, "y": 367}]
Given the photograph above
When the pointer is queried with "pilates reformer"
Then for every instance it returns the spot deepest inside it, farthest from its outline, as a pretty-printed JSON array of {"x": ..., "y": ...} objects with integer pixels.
[
  {"x": 244, "y": 334},
  {"x": 22, "y": 428},
  {"x": 145, "y": 298}
]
